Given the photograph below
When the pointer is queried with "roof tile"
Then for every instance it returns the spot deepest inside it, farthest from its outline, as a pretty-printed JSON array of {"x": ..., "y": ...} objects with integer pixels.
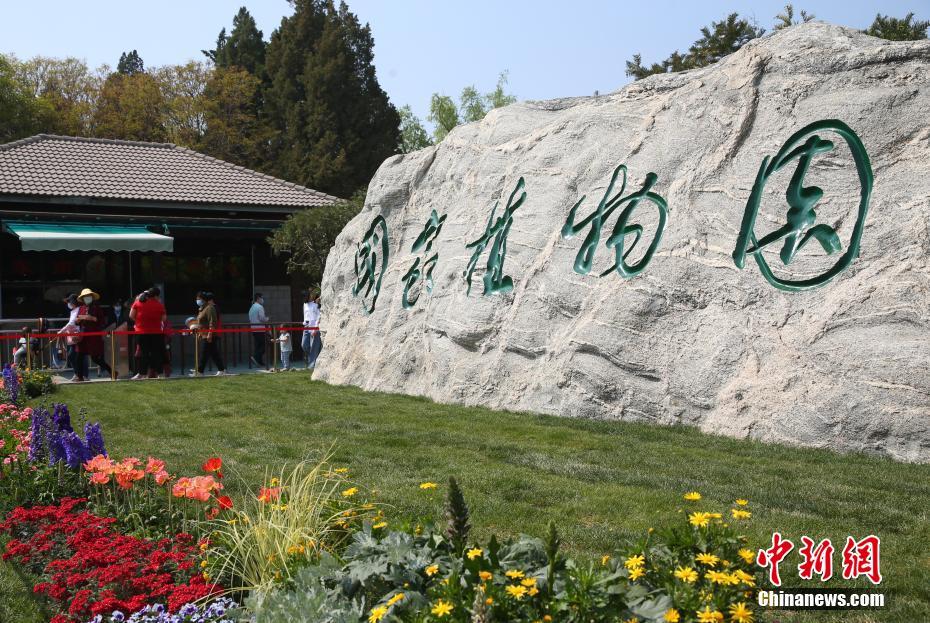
[{"x": 68, "y": 166}]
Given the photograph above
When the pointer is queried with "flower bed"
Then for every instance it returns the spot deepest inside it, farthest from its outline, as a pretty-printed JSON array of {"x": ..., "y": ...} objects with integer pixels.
[
  {"x": 89, "y": 569},
  {"x": 115, "y": 539}
]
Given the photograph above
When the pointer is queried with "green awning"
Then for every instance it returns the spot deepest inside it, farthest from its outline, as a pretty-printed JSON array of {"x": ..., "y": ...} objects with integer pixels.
[{"x": 88, "y": 237}]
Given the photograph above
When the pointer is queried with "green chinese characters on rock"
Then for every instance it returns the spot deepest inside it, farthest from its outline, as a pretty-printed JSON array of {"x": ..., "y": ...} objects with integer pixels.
[
  {"x": 430, "y": 232},
  {"x": 371, "y": 258},
  {"x": 494, "y": 278},
  {"x": 800, "y": 229},
  {"x": 617, "y": 240}
]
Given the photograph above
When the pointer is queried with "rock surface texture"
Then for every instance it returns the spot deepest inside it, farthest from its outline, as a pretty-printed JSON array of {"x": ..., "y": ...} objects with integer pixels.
[{"x": 693, "y": 339}]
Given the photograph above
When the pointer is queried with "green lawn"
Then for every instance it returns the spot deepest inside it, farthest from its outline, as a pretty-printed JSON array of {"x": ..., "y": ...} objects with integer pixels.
[{"x": 602, "y": 482}]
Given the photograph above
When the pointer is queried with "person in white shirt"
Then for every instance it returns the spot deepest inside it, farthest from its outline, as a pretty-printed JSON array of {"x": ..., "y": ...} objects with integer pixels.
[
  {"x": 284, "y": 343},
  {"x": 76, "y": 361},
  {"x": 257, "y": 319},
  {"x": 312, "y": 343}
]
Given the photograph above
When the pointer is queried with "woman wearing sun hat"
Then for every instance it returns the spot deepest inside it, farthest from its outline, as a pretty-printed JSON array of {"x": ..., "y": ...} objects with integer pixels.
[{"x": 92, "y": 319}]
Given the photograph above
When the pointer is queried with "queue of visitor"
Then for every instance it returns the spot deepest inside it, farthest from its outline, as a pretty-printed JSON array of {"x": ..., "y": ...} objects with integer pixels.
[{"x": 147, "y": 319}]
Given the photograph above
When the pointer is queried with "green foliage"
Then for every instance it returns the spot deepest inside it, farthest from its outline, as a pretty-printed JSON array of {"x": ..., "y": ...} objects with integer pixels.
[
  {"x": 473, "y": 106},
  {"x": 66, "y": 88},
  {"x": 698, "y": 563},
  {"x": 895, "y": 29},
  {"x": 183, "y": 89},
  {"x": 21, "y": 114},
  {"x": 456, "y": 516},
  {"x": 35, "y": 383},
  {"x": 244, "y": 47},
  {"x": 307, "y": 236},
  {"x": 413, "y": 135},
  {"x": 717, "y": 40},
  {"x": 786, "y": 19},
  {"x": 130, "y": 64},
  {"x": 334, "y": 124},
  {"x": 131, "y": 107},
  {"x": 443, "y": 114},
  {"x": 234, "y": 130}
]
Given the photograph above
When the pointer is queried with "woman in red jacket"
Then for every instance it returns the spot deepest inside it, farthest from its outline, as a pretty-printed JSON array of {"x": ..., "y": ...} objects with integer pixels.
[{"x": 92, "y": 319}]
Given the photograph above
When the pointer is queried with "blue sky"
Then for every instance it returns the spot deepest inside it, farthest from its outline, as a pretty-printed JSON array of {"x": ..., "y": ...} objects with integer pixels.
[{"x": 551, "y": 49}]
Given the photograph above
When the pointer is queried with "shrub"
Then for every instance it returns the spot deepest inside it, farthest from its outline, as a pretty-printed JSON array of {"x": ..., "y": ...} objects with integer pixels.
[{"x": 36, "y": 383}]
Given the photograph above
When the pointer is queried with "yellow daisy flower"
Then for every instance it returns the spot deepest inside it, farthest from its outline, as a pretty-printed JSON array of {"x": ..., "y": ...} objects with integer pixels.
[
  {"x": 739, "y": 513},
  {"x": 514, "y": 574},
  {"x": 604, "y": 559},
  {"x": 699, "y": 519},
  {"x": 707, "y": 559},
  {"x": 428, "y": 485},
  {"x": 441, "y": 609},
  {"x": 636, "y": 573},
  {"x": 377, "y": 613},
  {"x": 747, "y": 555},
  {"x": 739, "y": 613},
  {"x": 516, "y": 591},
  {"x": 432, "y": 570},
  {"x": 393, "y": 600},
  {"x": 709, "y": 616},
  {"x": 692, "y": 496},
  {"x": 672, "y": 616},
  {"x": 350, "y": 492},
  {"x": 686, "y": 574},
  {"x": 742, "y": 502},
  {"x": 634, "y": 561},
  {"x": 485, "y": 575},
  {"x": 474, "y": 553}
]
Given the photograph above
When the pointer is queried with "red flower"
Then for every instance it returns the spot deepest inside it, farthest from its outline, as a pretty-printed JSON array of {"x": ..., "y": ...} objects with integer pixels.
[
  {"x": 87, "y": 568},
  {"x": 225, "y": 502},
  {"x": 214, "y": 464}
]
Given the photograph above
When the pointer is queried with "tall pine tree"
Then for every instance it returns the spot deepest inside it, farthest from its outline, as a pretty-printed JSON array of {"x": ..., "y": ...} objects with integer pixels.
[
  {"x": 243, "y": 47},
  {"x": 333, "y": 122}
]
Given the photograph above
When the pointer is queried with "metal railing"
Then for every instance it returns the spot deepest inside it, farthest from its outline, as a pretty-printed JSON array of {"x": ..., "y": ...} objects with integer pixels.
[{"x": 121, "y": 347}]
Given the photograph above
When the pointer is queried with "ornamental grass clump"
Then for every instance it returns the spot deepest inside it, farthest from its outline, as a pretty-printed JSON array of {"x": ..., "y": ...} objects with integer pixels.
[{"x": 295, "y": 516}]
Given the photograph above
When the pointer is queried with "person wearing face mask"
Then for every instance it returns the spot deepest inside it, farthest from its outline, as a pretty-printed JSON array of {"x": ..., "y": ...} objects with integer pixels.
[
  {"x": 148, "y": 314},
  {"x": 72, "y": 332},
  {"x": 207, "y": 320},
  {"x": 257, "y": 319},
  {"x": 92, "y": 319}
]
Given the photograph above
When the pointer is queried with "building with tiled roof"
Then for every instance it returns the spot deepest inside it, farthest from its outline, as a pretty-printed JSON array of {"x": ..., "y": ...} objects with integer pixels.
[{"x": 120, "y": 216}]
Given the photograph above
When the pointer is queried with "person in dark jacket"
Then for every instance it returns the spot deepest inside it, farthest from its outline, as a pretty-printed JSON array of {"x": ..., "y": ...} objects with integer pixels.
[
  {"x": 208, "y": 319},
  {"x": 92, "y": 319}
]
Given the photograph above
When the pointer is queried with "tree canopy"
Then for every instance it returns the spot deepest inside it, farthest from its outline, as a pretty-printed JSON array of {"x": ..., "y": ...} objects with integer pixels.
[
  {"x": 895, "y": 29},
  {"x": 307, "y": 236},
  {"x": 786, "y": 19},
  {"x": 130, "y": 64},
  {"x": 244, "y": 47},
  {"x": 473, "y": 106},
  {"x": 333, "y": 123},
  {"x": 717, "y": 40}
]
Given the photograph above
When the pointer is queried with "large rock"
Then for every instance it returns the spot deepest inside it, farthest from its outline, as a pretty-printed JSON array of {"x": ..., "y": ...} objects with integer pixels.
[{"x": 693, "y": 339}]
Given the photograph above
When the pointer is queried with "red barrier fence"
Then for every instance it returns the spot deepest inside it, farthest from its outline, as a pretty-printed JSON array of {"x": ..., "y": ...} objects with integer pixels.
[{"x": 122, "y": 343}]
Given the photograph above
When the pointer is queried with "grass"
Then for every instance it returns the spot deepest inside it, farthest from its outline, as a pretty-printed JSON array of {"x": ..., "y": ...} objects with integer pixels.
[{"x": 602, "y": 482}]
